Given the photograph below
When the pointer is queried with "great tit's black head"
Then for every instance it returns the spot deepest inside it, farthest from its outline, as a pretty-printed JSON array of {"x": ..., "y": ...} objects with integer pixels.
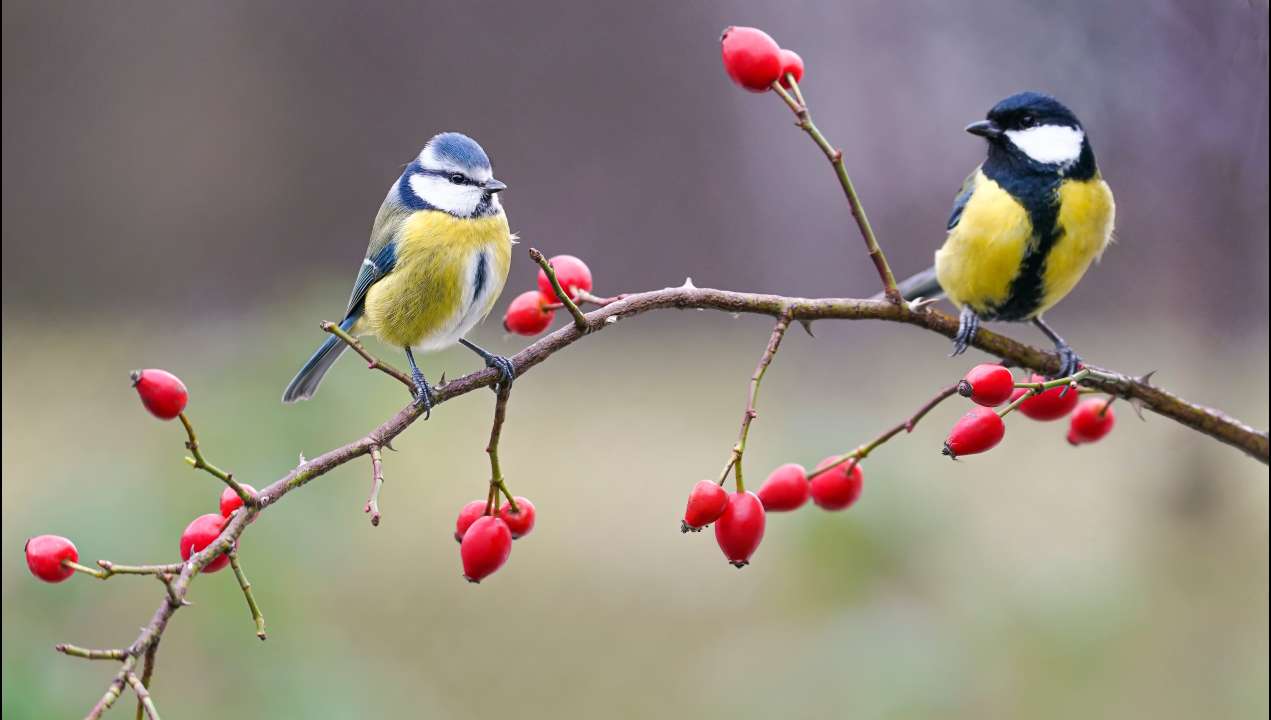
[{"x": 1034, "y": 126}]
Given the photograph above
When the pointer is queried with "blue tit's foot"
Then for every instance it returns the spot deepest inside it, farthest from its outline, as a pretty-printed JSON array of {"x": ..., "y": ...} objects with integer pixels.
[
  {"x": 968, "y": 324},
  {"x": 423, "y": 392},
  {"x": 507, "y": 371}
]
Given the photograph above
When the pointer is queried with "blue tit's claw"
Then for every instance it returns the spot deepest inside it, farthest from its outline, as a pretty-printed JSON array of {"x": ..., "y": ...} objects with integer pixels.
[
  {"x": 507, "y": 371},
  {"x": 968, "y": 324},
  {"x": 423, "y": 392}
]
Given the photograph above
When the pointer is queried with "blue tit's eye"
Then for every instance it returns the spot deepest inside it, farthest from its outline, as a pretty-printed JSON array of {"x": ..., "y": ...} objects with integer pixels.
[{"x": 456, "y": 179}]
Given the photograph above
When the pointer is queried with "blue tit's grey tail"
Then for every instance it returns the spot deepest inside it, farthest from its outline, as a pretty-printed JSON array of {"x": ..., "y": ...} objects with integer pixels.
[
  {"x": 922, "y": 285},
  {"x": 305, "y": 383}
]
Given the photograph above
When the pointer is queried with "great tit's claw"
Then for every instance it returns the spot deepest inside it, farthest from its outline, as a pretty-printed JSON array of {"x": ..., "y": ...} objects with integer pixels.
[{"x": 968, "y": 324}]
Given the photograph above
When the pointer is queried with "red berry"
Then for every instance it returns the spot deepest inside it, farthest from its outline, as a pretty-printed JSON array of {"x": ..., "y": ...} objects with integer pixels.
[
  {"x": 988, "y": 385},
  {"x": 163, "y": 393},
  {"x": 526, "y": 316},
  {"x": 200, "y": 533},
  {"x": 838, "y": 488},
  {"x": 1092, "y": 420},
  {"x": 791, "y": 64},
  {"x": 706, "y": 503},
  {"x": 740, "y": 529},
  {"x": 468, "y": 515},
  {"x": 44, "y": 556},
  {"x": 230, "y": 501},
  {"x": 751, "y": 57},
  {"x": 572, "y": 274},
  {"x": 978, "y": 431},
  {"x": 485, "y": 547},
  {"x": 785, "y": 489},
  {"x": 1048, "y": 405},
  {"x": 520, "y": 523}
]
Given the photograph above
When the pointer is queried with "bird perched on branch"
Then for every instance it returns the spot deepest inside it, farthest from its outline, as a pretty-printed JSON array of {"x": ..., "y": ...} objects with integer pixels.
[
  {"x": 438, "y": 257},
  {"x": 1027, "y": 223}
]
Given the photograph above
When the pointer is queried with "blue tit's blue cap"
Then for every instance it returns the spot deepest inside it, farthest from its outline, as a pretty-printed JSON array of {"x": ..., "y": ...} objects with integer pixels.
[{"x": 452, "y": 150}]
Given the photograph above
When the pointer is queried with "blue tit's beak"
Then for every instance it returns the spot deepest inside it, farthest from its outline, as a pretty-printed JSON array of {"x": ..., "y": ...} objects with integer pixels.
[
  {"x": 986, "y": 129},
  {"x": 493, "y": 186}
]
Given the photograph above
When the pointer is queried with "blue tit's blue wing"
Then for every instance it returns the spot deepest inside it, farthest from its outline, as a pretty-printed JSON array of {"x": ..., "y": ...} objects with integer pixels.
[
  {"x": 377, "y": 264},
  {"x": 959, "y": 202}
]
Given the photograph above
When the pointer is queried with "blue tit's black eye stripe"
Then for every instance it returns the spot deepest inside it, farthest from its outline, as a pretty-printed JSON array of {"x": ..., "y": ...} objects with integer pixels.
[{"x": 449, "y": 175}]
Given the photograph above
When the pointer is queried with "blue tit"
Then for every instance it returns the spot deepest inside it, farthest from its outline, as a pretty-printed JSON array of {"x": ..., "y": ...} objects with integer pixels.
[
  {"x": 1027, "y": 223},
  {"x": 438, "y": 258}
]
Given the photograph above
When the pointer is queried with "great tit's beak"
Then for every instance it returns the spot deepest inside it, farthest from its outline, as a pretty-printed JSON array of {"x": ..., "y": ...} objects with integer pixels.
[
  {"x": 985, "y": 129},
  {"x": 493, "y": 186}
]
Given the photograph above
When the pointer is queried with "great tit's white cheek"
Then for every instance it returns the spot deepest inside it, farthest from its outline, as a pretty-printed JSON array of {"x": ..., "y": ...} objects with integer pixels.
[
  {"x": 1049, "y": 144},
  {"x": 460, "y": 200}
]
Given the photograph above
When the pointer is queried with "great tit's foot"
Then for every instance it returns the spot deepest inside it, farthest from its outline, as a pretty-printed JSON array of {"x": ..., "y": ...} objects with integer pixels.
[
  {"x": 1069, "y": 361},
  {"x": 507, "y": 372},
  {"x": 968, "y": 324},
  {"x": 422, "y": 392}
]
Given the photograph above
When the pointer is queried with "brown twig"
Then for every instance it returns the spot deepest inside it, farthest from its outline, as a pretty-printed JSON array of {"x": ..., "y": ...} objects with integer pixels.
[
  {"x": 372, "y": 362},
  {"x": 377, "y": 482},
  {"x": 770, "y": 351},
  {"x": 1212, "y": 423},
  {"x": 89, "y": 653},
  {"x": 147, "y": 675},
  {"x": 861, "y": 452},
  {"x": 143, "y": 696},
  {"x": 246, "y": 587},
  {"x": 198, "y": 462},
  {"x": 835, "y": 156}
]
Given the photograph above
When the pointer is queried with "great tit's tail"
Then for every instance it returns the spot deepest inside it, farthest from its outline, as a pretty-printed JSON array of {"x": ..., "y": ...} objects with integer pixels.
[
  {"x": 305, "y": 383},
  {"x": 922, "y": 285}
]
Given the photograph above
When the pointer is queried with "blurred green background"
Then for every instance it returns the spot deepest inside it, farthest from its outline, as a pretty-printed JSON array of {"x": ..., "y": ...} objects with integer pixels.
[{"x": 190, "y": 188}]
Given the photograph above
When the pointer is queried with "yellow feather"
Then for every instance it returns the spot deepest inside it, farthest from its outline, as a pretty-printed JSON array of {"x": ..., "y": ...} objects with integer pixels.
[
  {"x": 983, "y": 252},
  {"x": 428, "y": 296},
  {"x": 1086, "y": 216}
]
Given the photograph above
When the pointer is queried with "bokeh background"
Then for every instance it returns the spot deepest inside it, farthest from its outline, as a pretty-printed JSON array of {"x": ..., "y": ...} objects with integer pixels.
[{"x": 189, "y": 186}]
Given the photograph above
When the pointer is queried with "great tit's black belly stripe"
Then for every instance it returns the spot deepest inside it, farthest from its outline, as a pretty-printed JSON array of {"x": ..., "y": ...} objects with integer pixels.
[{"x": 1039, "y": 195}]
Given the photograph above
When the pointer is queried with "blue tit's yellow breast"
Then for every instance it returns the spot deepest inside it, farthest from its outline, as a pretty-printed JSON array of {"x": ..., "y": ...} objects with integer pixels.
[
  {"x": 1087, "y": 213},
  {"x": 983, "y": 253},
  {"x": 430, "y": 293}
]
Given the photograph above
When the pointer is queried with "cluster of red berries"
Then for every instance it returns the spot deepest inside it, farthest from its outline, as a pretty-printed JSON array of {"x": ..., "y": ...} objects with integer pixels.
[
  {"x": 531, "y": 312},
  {"x": 485, "y": 535},
  {"x": 740, "y": 518},
  {"x": 755, "y": 61},
  {"x": 165, "y": 396},
  {"x": 989, "y": 386}
]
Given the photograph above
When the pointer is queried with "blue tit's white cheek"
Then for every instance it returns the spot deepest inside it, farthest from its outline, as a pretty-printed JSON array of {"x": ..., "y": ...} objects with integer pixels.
[
  {"x": 1049, "y": 144},
  {"x": 438, "y": 191}
]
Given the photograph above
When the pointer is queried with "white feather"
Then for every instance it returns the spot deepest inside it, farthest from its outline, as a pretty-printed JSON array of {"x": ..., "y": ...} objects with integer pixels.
[{"x": 1049, "y": 144}]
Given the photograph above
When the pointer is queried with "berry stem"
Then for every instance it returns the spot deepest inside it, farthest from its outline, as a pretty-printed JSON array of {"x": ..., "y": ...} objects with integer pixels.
[
  {"x": 247, "y": 593},
  {"x": 372, "y": 362},
  {"x": 109, "y": 568},
  {"x": 198, "y": 462},
  {"x": 835, "y": 156},
  {"x": 377, "y": 482},
  {"x": 1041, "y": 387},
  {"x": 580, "y": 320},
  {"x": 770, "y": 351},
  {"x": 860, "y": 453},
  {"x": 497, "y": 484}
]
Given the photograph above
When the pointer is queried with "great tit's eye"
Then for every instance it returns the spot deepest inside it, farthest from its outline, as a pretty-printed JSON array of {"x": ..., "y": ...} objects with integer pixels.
[
  {"x": 1027, "y": 120},
  {"x": 456, "y": 179}
]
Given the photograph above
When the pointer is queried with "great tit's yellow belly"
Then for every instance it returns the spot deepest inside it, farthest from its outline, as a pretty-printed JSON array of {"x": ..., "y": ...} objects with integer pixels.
[
  {"x": 984, "y": 261},
  {"x": 984, "y": 251},
  {"x": 1087, "y": 214},
  {"x": 447, "y": 278}
]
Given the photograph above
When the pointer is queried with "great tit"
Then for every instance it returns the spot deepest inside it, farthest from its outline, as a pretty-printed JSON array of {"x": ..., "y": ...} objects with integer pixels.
[
  {"x": 438, "y": 258},
  {"x": 1026, "y": 224}
]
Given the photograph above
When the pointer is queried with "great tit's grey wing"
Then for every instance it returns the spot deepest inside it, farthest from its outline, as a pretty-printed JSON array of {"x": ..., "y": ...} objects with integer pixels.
[{"x": 959, "y": 202}]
